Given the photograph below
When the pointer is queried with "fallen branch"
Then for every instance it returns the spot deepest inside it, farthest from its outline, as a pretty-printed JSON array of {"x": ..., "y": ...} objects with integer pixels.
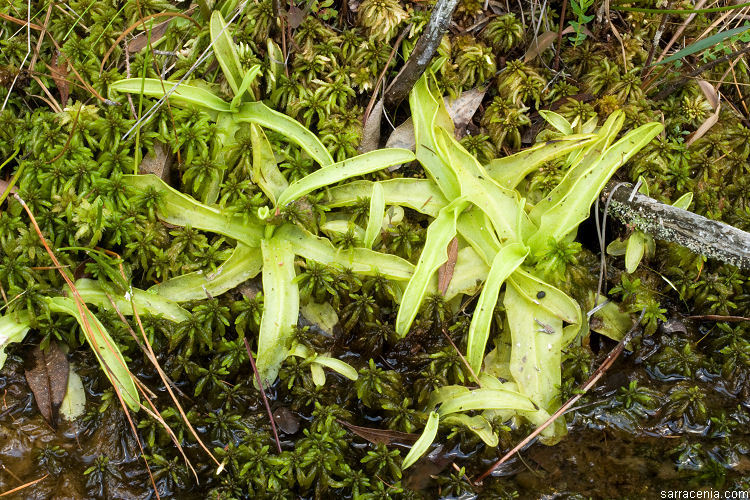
[
  {"x": 422, "y": 54},
  {"x": 698, "y": 234}
]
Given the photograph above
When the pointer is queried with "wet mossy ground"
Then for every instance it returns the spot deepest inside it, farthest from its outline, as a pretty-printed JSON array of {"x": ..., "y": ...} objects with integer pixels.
[{"x": 672, "y": 413}]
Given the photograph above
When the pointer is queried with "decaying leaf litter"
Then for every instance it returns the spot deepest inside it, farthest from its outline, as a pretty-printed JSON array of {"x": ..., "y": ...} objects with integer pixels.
[{"x": 267, "y": 186}]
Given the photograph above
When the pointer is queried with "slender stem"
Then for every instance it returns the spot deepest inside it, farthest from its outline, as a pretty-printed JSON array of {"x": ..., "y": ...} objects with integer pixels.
[
  {"x": 559, "y": 35},
  {"x": 263, "y": 394}
]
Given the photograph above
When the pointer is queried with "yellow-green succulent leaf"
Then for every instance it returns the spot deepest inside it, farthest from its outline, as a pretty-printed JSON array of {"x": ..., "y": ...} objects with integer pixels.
[
  {"x": 351, "y": 167},
  {"x": 505, "y": 262}
]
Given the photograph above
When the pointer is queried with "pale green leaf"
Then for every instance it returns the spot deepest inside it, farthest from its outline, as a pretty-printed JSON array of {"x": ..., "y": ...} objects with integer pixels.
[
  {"x": 105, "y": 349},
  {"x": 564, "y": 217},
  {"x": 280, "y": 307},
  {"x": 634, "y": 251},
  {"x": 424, "y": 442},
  {"x": 145, "y": 303},
  {"x": 610, "y": 321},
  {"x": 468, "y": 275},
  {"x": 421, "y": 195},
  {"x": 247, "y": 80},
  {"x": 291, "y": 129},
  {"x": 547, "y": 296},
  {"x": 244, "y": 263},
  {"x": 352, "y": 167},
  {"x": 504, "y": 263},
  {"x": 179, "y": 209},
  {"x": 318, "y": 375},
  {"x": 184, "y": 95},
  {"x": 377, "y": 212},
  {"x": 435, "y": 253},
  {"x": 501, "y": 205},
  {"x": 684, "y": 201},
  {"x": 587, "y": 158},
  {"x": 13, "y": 328},
  {"x": 226, "y": 52},
  {"x": 486, "y": 399},
  {"x": 338, "y": 366},
  {"x": 557, "y": 121},
  {"x": 427, "y": 113},
  {"x": 74, "y": 403},
  {"x": 536, "y": 347},
  {"x": 474, "y": 226},
  {"x": 509, "y": 171},
  {"x": 360, "y": 260},
  {"x": 476, "y": 424},
  {"x": 266, "y": 173}
]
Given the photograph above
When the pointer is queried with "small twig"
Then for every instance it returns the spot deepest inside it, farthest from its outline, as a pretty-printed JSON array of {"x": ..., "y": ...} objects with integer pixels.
[
  {"x": 591, "y": 382},
  {"x": 396, "y": 45},
  {"x": 421, "y": 56},
  {"x": 556, "y": 67},
  {"x": 718, "y": 317},
  {"x": 655, "y": 43},
  {"x": 680, "y": 82},
  {"x": 23, "y": 486},
  {"x": 263, "y": 394},
  {"x": 466, "y": 363}
]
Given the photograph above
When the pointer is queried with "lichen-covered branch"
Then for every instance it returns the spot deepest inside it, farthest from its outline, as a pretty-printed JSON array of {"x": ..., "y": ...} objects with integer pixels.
[
  {"x": 422, "y": 54},
  {"x": 697, "y": 233}
]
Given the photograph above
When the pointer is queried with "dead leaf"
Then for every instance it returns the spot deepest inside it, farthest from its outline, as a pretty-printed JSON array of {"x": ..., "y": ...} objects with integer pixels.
[
  {"x": 295, "y": 16},
  {"x": 59, "y": 72},
  {"x": 157, "y": 162},
  {"x": 712, "y": 96},
  {"x": 705, "y": 127},
  {"x": 402, "y": 136},
  {"x": 47, "y": 376},
  {"x": 286, "y": 420},
  {"x": 371, "y": 130},
  {"x": 140, "y": 41},
  {"x": 542, "y": 43},
  {"x": 381, "y": 436},
  {"x": 462, "y": 110},
  {"x": 445, "y": 272},
  {"x": 354, "y": 5},
  {"x": 674, "y": 325}
]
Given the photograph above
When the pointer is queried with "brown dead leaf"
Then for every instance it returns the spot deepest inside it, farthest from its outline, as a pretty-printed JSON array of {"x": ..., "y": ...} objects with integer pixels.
[
  {"x": 47, "y": 376},
  {"x": 157, "y": 162},
  {"x": 445, "y": 272},
  {"x": 712, "y": 96},
  {"x": 461, "y": 110},
  {"x": 59, "y": 72},
  {"x": 542, "y": 43},
  {"x": 381, "y": 436},
  {"x": 371, "y": 130},
  {"x": 140, "y": 41},
  {"x": 705, "y": 127},
  {"x": 286, "y": 420},
  {"x": 295, "y": 16}
]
